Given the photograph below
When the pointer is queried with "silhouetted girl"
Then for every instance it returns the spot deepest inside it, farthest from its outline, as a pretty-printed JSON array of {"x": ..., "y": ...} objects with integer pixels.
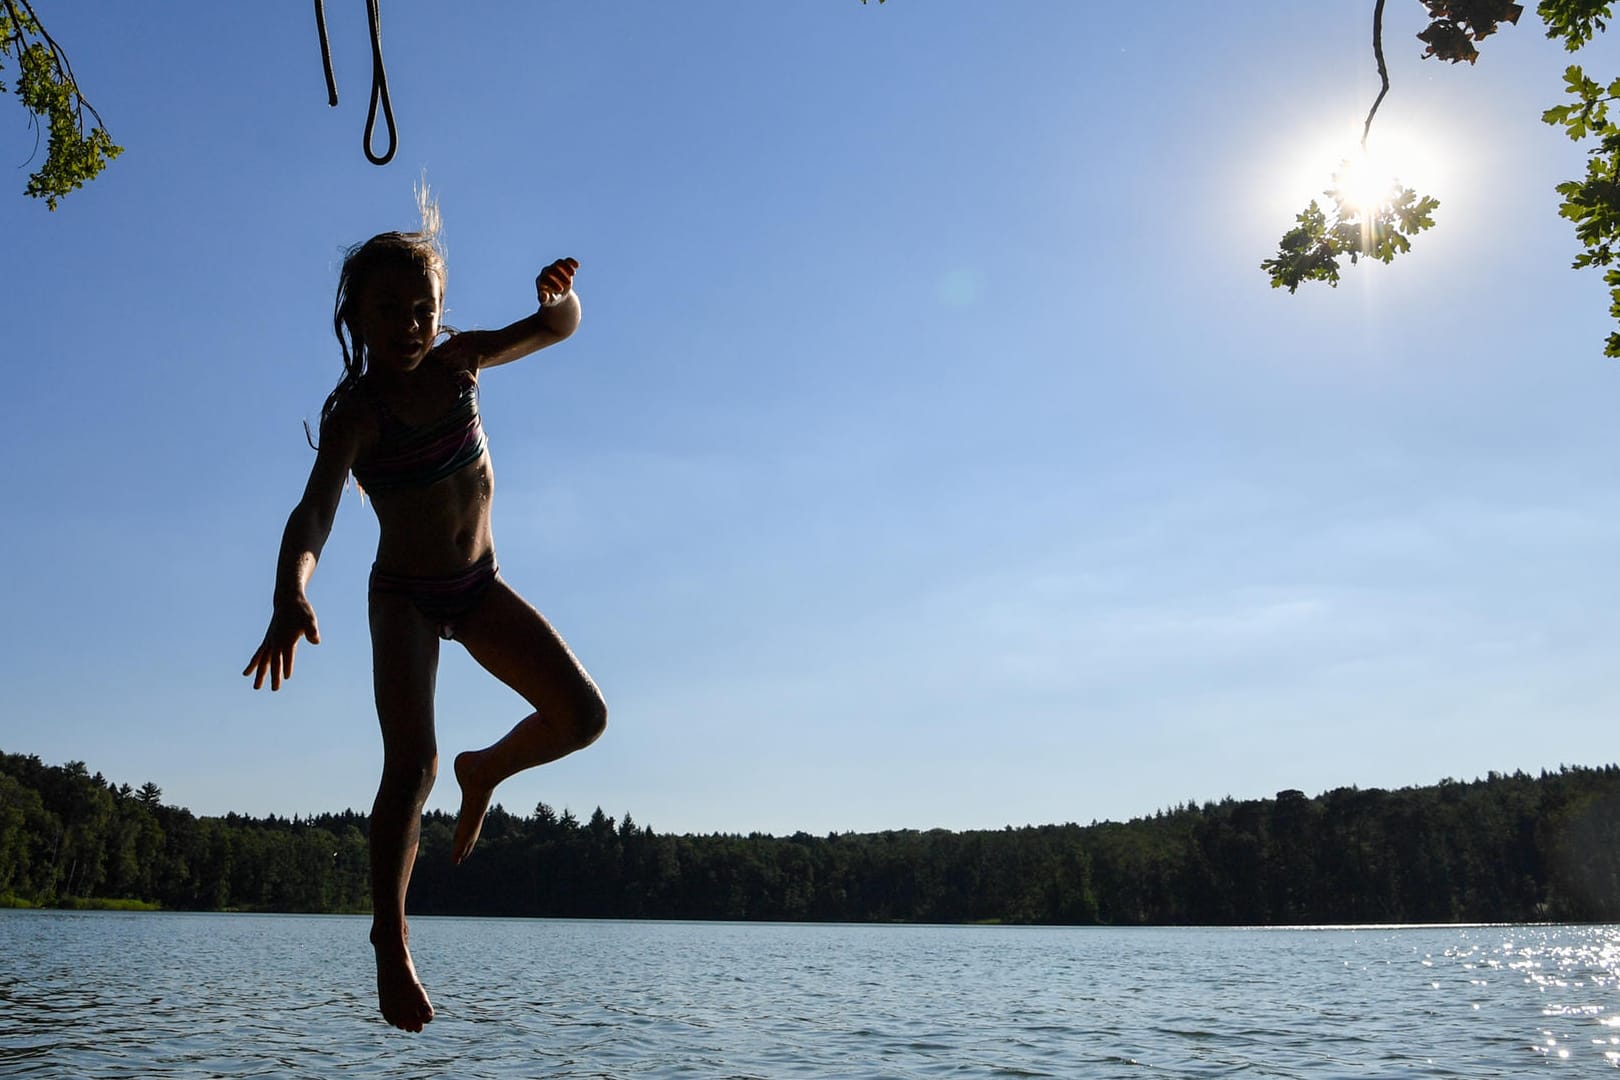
[{"x": 405, "y": 421}]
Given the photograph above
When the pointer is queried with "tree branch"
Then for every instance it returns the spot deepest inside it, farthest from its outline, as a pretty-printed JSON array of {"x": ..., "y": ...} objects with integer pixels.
[
  {"x": 63, "y": 68},
  {"x": 47, "y": 89},
  {"x": 1383, "y": 72}
]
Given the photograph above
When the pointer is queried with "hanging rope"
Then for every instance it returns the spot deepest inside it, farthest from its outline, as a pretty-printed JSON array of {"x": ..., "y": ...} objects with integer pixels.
[
  {"x": 326, "y": 54},
  {"x": 379, "y": 82}
]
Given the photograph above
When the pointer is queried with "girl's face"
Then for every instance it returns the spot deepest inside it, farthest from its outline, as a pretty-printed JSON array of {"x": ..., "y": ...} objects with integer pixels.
[{"x": 398, "y": 315}]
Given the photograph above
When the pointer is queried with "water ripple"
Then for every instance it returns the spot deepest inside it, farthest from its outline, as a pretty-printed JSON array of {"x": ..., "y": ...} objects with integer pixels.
[{"x": 108, "y": 995}]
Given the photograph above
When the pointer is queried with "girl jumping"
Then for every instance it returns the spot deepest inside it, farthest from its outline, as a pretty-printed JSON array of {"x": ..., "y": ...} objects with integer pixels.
[{"x": 404, "y": 419}]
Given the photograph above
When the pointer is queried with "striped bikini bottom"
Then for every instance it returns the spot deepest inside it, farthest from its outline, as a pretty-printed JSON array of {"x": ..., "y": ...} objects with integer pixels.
[{"x": 444, "y": 600}]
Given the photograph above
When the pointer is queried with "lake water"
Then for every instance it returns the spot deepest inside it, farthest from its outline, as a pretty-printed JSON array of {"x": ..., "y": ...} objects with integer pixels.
[{"x": 98, "y": 995}]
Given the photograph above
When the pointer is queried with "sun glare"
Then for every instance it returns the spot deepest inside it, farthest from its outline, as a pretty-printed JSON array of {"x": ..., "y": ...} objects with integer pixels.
[
  {"x": 1333, "y": 158},
  {"x": 1364, "y": 183}
]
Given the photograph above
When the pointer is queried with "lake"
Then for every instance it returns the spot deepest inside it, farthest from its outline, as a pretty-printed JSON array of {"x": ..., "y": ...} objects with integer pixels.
[{"x": 105, "y": 994}]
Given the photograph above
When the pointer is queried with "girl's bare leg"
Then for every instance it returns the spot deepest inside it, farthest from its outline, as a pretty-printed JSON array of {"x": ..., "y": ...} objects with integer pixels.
[
  {"x": 405, "y": 660},
  {"x": 516, "y": 644}
]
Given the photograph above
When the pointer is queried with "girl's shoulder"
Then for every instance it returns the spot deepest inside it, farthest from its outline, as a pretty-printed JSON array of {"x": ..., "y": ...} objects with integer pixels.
[
  {"x": 353, "y": 421},
  {"x": 457, "y": 354}
]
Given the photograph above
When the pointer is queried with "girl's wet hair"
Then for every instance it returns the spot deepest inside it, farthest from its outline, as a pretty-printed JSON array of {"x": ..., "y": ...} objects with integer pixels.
[{"x": 421, "y": 250}]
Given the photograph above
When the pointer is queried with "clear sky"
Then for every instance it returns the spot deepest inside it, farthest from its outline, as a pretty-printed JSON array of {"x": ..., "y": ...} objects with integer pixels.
[{"x": 933, "y": 452}]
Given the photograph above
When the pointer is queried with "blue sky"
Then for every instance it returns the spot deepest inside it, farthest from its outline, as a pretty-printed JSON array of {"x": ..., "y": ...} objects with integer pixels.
[{"x": 933, "y": 452}]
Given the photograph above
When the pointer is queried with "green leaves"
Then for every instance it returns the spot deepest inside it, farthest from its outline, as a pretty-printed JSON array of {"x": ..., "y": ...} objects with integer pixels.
[
  {"x": 1305, "y": 253},
  {"x": 1574, "y": 21},
  {"x": 46, "y": 88},
  {"x": 1312, "y": 249},
  {"x": 1589, "y": 113},
  {"x": 1592, "y": 203}
]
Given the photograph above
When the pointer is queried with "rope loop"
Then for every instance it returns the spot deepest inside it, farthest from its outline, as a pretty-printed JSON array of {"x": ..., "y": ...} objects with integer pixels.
[
  {"x": 379, "y": 91},
  {"x": 379, "y": 82}
]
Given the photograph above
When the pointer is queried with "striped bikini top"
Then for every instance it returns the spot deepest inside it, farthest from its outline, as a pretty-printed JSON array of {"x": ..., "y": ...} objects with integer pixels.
[{"x": 414, "y": 457}]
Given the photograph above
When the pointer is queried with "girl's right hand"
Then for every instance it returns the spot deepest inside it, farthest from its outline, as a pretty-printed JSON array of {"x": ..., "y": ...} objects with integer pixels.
[
  {"x": 292, "y": 619},
  {"x": 554, "y": 282}
]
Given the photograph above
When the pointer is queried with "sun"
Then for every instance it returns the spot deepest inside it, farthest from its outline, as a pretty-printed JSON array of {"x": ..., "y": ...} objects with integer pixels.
[
  {"x": 1364, "y": 183},
  {"x": 1315, "y": 157}
]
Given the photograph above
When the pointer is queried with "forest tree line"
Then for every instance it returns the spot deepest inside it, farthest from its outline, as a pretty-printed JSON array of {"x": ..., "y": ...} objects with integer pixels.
[{"x": 1508, "y": 848}]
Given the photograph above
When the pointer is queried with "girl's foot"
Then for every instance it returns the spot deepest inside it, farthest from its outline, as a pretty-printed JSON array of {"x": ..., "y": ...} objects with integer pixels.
[
  {"x": 400, "y": 996},
  {"x": 475, "y": 796}
]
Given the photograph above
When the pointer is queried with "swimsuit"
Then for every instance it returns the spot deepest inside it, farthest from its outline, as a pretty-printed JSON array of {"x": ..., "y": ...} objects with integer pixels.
[
  {"x": 416, "y": 457},
  {"x": 444, "y": 600}
]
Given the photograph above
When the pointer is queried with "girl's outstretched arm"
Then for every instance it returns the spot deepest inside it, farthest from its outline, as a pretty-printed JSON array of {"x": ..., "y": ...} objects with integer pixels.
[
  {"x": 301, "y": 542},
  {"x": 557, "y": 318}
]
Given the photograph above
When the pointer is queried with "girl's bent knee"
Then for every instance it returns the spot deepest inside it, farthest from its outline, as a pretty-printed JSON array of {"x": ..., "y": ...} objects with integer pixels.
[{"x": 590, "y": 720}]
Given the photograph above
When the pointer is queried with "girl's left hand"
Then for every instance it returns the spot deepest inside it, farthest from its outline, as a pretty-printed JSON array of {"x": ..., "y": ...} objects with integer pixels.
[{"x": 554, "y": 282}]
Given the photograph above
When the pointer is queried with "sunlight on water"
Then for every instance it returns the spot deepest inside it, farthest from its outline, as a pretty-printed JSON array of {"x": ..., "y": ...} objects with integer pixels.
[{"x": 167, "y": 996}]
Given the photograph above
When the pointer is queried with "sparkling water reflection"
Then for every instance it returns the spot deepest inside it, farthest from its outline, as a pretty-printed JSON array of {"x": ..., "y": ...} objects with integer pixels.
[{"x": 100, "y": 995}]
